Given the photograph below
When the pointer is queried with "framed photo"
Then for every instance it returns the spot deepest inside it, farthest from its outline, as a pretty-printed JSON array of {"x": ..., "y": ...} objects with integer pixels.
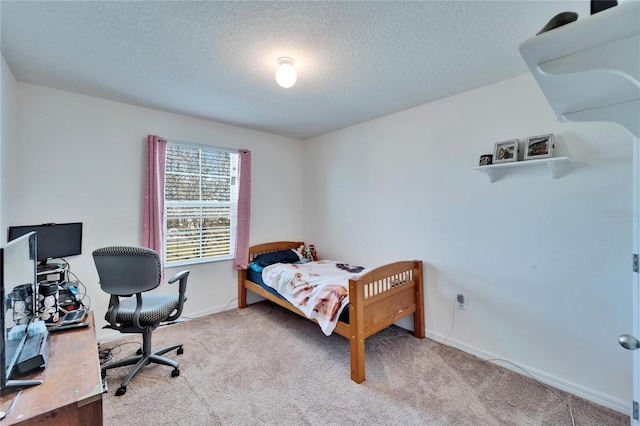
[
  {"x": 486, "y": 160},
  {"x": 506, "y": 151},
  {"x": 538, "y": 147}
]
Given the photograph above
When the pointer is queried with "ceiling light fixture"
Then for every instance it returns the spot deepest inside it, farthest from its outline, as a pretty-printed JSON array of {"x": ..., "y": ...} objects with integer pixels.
[{"x": 286, "y": 75}]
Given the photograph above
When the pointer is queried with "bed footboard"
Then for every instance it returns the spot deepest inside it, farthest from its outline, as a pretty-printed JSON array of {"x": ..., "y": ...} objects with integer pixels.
[{"x": 380, "y": 298}]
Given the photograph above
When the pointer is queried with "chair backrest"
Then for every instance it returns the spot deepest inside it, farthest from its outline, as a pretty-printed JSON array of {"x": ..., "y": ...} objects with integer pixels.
[{"x": 127, "y": 270}]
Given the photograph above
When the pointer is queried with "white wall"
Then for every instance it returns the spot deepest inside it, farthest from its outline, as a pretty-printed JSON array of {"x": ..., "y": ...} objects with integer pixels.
[
  {"x": 80, "y": 158},
  {"x": 8, "y": 135},
  {"x": 545, "y": 264}
]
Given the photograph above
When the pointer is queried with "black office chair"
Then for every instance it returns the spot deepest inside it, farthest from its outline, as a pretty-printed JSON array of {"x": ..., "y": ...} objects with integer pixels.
[{"x": 126, "y": 273}]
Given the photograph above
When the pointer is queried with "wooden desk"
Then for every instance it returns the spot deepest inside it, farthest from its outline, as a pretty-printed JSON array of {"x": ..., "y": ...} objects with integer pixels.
[{"x": 71, "y": 389}]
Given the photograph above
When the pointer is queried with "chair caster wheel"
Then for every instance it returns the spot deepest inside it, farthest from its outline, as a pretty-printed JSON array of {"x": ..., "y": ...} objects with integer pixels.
[
  {"x": 139, "y": 352},
  {"x": 175, "y": 373},
  {"x": 121, "y": 391},
  {"x": 180, "y": 350}
]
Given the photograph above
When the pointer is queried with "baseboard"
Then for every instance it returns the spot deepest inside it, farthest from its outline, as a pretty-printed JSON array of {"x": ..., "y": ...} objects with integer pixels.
[
  {"x": 406, "y": 323},
  {"x": 232, "y": 304},
  {"x": 596, "y": 397},
  {"x": 211, "y": 311}
]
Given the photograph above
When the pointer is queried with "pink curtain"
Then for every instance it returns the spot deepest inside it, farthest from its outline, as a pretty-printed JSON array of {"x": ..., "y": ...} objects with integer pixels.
[
  {"x": 153, "y": 209},
  {"x": 241, "y": 259}
]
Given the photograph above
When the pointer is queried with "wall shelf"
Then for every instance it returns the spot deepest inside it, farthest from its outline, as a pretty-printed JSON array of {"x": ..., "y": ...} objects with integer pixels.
[{"x": 551, "y": 163}]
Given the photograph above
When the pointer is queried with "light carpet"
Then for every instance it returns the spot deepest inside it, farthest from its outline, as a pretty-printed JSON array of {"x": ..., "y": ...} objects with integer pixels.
[{"x": 264, "y": 365}]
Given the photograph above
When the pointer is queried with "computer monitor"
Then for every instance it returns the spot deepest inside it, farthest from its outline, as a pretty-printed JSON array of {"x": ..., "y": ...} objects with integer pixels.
[{"x": 55, "y": 240}]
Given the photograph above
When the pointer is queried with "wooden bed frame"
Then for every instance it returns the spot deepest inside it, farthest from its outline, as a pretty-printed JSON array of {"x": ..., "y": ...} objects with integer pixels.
[{"x": 376, "y": 300}]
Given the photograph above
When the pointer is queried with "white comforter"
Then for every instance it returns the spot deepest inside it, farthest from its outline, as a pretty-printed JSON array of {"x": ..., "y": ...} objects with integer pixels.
[{"x": 318, "y": 289}]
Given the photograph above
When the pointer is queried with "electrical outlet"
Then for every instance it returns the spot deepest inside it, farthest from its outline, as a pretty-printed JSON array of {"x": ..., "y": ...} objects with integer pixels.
[{"x": 460, "y": 300}]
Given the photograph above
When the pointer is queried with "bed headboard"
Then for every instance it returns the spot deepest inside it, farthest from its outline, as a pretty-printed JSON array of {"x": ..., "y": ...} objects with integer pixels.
[{"x": 274, "y": 246}]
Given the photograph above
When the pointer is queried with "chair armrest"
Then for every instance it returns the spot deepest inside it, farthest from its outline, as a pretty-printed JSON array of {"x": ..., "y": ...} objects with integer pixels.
[{"x": 182, "y": 277}]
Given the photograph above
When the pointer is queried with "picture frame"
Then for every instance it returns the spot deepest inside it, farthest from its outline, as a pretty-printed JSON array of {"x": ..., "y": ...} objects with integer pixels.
[
  {"x": 486, "y": 160},
  {"x": 506, "y": 151},
  {"x": 539, "y": 147}
]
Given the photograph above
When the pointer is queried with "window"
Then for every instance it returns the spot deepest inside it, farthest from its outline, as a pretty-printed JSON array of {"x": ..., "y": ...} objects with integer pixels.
[{"x": 201, "y": 198}]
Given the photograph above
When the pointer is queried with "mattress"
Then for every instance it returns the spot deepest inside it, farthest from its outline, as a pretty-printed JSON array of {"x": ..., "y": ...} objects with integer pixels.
[{"x": 256, "y": 277}]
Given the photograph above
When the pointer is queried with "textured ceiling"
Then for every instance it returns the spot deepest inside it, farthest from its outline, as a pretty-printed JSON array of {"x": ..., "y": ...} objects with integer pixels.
[{"x": 356, "y": 61}]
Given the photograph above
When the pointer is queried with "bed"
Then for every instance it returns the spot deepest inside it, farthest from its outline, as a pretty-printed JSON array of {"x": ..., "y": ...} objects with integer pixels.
[{"x": 378, "y": 298}]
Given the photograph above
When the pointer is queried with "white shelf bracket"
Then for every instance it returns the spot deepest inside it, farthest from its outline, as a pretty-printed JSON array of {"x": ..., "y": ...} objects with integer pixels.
[
  {"x": 552, "y": 168},
  {"x": 490, "y": 174}
]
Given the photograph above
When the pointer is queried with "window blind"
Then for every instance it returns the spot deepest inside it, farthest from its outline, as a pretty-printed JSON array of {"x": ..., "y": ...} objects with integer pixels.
[{"x": 200, "y": 203}]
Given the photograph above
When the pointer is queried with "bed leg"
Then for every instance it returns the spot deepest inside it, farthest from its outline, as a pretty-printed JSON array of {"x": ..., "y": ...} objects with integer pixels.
[
  {"x": 356, "y": 349},
  {"x": 418, "y": 316},
  {"x": 242, "y": 291},
  {"x": 356, "y": 331}
]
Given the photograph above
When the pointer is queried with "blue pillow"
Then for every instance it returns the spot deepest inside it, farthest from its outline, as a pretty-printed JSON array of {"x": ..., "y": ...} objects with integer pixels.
[
  {"x": 255, "y": 267},
  {"x": 281, "y": 256}
]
